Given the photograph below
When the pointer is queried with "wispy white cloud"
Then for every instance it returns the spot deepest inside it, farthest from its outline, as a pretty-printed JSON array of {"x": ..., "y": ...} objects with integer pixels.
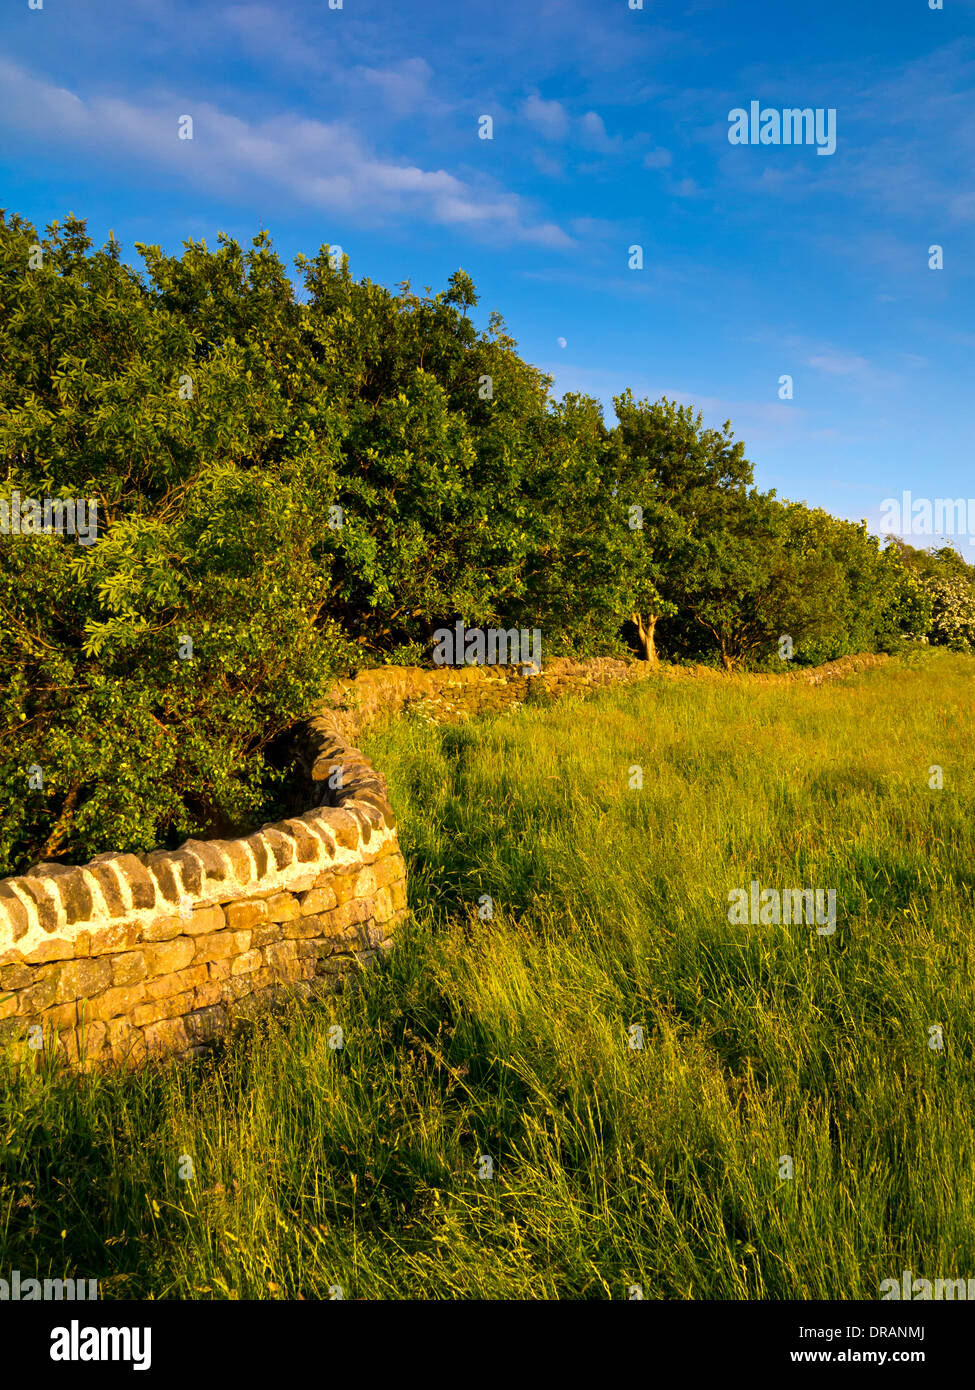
[
  {"x": 323, "y": 164},
  {"x": 593, "y": 134},
  {"x": 838, "y": 364},
  {"x": 267, "y": 31},
  {"x": 404, "y": 88},
  {"x": 550, "y": 118},
  {"x": 854, "y": 370}
]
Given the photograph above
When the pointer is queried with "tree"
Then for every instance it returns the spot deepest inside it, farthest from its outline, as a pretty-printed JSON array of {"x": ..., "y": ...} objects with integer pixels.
[
  {"x": 210, "y": 506},
  {"x": 674, "y": 471}
]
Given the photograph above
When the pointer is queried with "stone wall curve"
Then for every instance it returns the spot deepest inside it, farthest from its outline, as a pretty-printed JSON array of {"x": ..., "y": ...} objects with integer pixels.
[{"x": 134, "y": 956}]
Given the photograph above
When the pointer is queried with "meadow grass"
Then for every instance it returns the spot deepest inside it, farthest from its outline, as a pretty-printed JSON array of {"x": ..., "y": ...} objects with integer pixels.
[{"x": 510, "y": 1037}]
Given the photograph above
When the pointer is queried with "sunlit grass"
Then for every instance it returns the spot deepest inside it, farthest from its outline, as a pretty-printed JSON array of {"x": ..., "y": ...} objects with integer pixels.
[{"x": 509, "y": 1037}]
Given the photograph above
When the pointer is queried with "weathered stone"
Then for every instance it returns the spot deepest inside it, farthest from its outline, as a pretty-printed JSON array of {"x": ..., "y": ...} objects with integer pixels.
[
  {"x": 120, "y": 936},
  {"x": 13, "y": 913},
  {"x": 216, "y": 947},
  {"x": 319, "y": 827},
  {"x": 242, "y": 965},
  {"x": 128, "y": 968},
  {"x": 316, "y": 948},
  {"x": 280, "y": 846},
  {"x": 167, "y": 957},
  {"x": 204, "y": 919},
  {"x": 17, "y": 976},
  {"x": 141, "y": 884},
  {"x": 283, "y": 907},
  {"x": 318, "y": 900},
  {"x": 282, "y": 956},
  {"x": 307, "y": 846},
  {"x": 160, "y": 865},
  {"x": 262, "y": 936},
  {"x": 246, "y": 914},
  {"x": 210, "y": 992},
  {"x": 303, "y": 927},
  {"x": 379, "y": 803},
  {"x": 388, "y": 869},
  {"x": 369, "y": 820},
  {"x": 85, "y": 1044},
  {"x": 116, "y": 1003},
  {"x": 190, "y": 872},
  {"x": 76, "y": 899},
  {"x": 365, "y": 883},
  {"x": 44, "y": 896},
  {"x": 343, "y": 886},
  {"x": 345, "y": 828},
  {"x": 83, "y": 978},
  {"x": 260, "y": 852},
  {"x": 382, "y": 905},
  {"x": 204, "y": 1025},
  {"x": 348, "y": 914},
  {"x": 12, "y": 1030},
  {"x": 125, "y": 1040},
  {"x": 373, "y": 934},
  {"x": 162, "y": 928},
  {"x": 209, "y": 853},
  {"x": 109, "y": 886},
  {"x": 55, "y": 948},
  {"x": 240, "y": 859},
  {"x": 168, "y": 985},
  {"x": 166, "y": 1035}
]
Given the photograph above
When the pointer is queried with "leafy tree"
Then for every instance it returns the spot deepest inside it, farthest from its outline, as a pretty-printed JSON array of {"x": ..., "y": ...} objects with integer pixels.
[
  {"x": 867, "y": 599},
  {"x": 744, "y": 585},
  {"x": 952, "y": 612},
  {"x": 210, "y": 510},
  {"x": 676, "y": 471}
]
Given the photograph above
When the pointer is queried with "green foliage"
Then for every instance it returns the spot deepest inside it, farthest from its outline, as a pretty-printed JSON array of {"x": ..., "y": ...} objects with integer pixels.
[
  {"x": 952, "y": 612},
  {"x": 676, "y": 472},
  {"x": 305, "y": 483},
  {"x": 209, "y": 528},
  {"x": 946, "y": 584}
]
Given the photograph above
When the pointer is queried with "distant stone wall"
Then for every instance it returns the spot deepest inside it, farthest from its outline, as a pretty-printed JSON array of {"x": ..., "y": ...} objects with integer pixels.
[
  {"x": 138, "y": 956},
  {"x": 450, "y": 693}
]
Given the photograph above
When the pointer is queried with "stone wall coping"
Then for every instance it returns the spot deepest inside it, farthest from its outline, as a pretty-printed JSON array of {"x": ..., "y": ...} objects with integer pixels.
[{"x": 67, "y": 901}]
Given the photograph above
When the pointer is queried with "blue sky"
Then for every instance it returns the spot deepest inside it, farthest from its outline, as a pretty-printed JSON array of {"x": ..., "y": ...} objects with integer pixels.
[{"x": 359, "y": 126}]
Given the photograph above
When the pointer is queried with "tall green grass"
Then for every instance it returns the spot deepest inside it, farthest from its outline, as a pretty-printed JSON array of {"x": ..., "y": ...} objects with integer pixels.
[{"x": 510, "y": 1036}]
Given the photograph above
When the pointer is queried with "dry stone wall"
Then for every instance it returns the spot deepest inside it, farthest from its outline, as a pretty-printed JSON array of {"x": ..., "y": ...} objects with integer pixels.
[
  {"x": 450, "y": 693},
  {"x": 138, "y": 956},
  {"x": 132, "y": 957}
]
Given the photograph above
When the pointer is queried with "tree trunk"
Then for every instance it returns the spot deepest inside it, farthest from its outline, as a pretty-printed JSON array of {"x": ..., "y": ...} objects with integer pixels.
[
  {"x": 62, "y": 825},
  {"x": 645, "y": 631}
]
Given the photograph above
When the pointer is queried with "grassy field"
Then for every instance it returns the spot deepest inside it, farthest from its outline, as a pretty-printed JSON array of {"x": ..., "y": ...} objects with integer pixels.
[{"x": 613, "y": 1165}]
